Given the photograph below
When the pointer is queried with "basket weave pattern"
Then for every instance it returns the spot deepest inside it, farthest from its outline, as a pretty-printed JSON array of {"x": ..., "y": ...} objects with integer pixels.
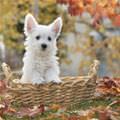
[{"x": 71, "y": 91}]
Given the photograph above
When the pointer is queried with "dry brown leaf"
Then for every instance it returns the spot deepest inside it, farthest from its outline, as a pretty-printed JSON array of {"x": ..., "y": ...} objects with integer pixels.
[{"x": 55, "y": 107}]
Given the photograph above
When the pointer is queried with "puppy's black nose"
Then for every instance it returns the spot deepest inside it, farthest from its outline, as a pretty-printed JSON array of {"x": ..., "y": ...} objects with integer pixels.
[{"x": 44, "y": 46}]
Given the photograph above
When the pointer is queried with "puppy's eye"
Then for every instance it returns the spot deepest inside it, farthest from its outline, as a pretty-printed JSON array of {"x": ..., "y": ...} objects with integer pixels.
[
  {"x": 49, "y": 38},
  {"x": 37, "y": 37}
]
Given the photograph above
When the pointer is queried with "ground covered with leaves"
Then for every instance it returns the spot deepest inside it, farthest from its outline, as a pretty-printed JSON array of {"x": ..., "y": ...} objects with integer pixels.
[{"x": 105, "y": 106}]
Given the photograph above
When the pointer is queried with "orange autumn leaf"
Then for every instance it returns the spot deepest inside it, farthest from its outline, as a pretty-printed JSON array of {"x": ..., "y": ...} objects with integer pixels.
[
  {"x": 117, "y": 89},
  {"x": 73, "y": 2},
  {"x": 109, "y": 86},
  {"x": 117, "y": 21},
  {"x": 3, "y": 86},
  {"x": 105, "y": 8},
  {"x": 90, "y": 9},
  {"x": 89, "y": 1},
  {"x": 11, "y": 110},
  {"x": 62, "y": 1},
  {"x": 51, "y": 117},
  {"x": 55, "y": 107},
  {"x": 64, "y": 117},
  {"x": 102, "y": 3},
  {"x": 113, "y": 3}
]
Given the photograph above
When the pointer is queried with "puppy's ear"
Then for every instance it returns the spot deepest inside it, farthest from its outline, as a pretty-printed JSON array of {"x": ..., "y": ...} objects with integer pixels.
[
  {"x": 56, "y": 26},
  {"x": 30, "y": 24}
]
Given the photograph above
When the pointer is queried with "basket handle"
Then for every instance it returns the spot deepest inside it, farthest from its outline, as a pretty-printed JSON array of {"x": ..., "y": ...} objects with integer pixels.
[
  {"x": 7, "y": 71},
  {"x": 94, "y": 68}
]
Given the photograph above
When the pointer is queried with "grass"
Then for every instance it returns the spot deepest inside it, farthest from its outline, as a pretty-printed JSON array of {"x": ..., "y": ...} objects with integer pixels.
[{"x": 82, "y": 105}]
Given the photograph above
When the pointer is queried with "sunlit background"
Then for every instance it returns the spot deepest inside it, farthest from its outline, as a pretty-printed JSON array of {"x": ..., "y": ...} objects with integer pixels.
[{"x": 79, "y": 43}]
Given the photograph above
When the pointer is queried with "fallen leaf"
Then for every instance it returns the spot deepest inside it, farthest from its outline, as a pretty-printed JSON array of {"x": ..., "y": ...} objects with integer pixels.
[
  {"x": 109, "y": 86},
  {"x": 2, "y": 86},
  {"x": 31, "y": 112},
  {"x": 55, "y": 107}
]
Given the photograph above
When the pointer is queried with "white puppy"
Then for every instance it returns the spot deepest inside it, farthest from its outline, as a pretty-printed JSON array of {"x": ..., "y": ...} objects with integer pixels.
[{"x": 40, "y": 61}]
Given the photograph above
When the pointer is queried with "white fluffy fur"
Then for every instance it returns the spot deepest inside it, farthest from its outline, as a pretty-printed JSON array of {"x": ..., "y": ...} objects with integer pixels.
[{"x": 41, "y": 66}]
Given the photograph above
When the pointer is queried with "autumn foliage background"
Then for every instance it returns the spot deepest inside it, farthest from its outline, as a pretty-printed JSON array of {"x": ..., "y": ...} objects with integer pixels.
[{"x": 91, "y": 30}]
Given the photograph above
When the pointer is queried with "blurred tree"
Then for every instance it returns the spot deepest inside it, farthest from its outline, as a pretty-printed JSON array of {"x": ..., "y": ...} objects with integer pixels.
[
  {"x": 12, "y": 14},
  {"x": 97, "y": 8},
  {"x": 101, "y": 18},
  {"x": 100, "y": 14}
]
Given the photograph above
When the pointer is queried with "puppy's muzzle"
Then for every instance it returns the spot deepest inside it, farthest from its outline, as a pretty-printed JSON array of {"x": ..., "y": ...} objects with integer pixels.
[{"x": 43, "y": 46}]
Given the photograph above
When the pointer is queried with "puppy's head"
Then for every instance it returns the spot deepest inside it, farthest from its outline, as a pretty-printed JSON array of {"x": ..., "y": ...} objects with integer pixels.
[{"x": 42, "y": 38}]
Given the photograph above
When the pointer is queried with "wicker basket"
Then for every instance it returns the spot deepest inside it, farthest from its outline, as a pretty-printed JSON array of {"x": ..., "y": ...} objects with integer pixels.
[{"x": 71, "y": 91}]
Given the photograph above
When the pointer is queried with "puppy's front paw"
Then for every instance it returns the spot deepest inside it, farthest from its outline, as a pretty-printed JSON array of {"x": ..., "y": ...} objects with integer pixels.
[
  {"x": 38, "y": 81},
  {"x": 57, "y": 80},
  {"x": 23, "y": 81}
]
